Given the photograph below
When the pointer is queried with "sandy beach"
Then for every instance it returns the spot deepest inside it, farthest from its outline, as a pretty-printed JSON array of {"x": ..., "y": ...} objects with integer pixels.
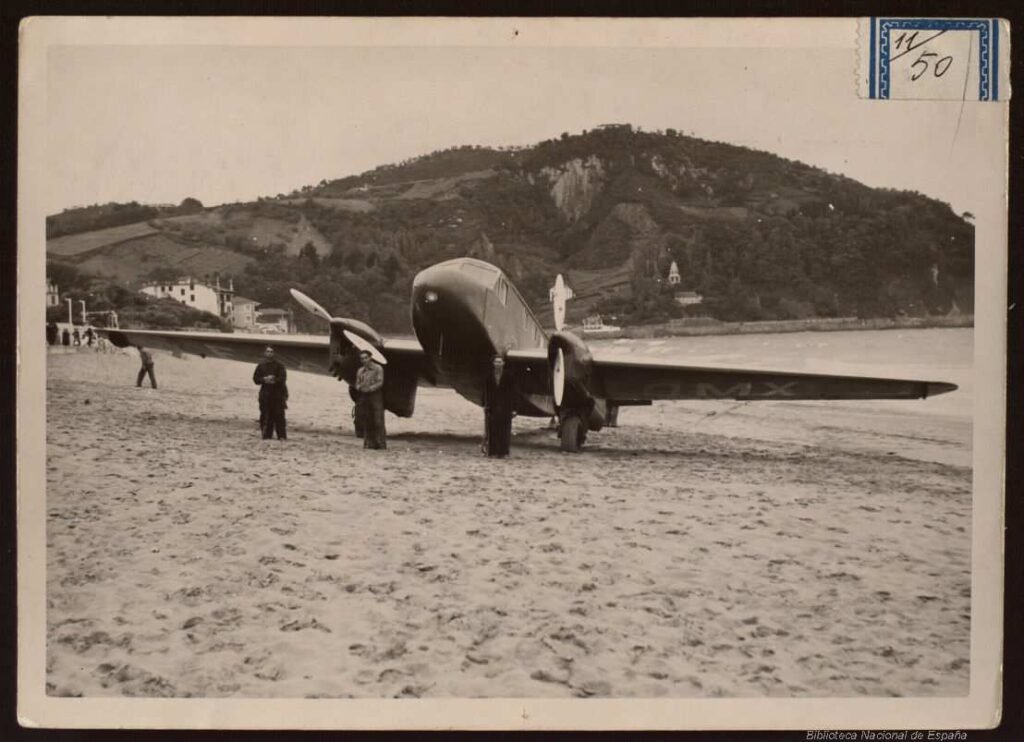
[{"x": 701, "y": 549}]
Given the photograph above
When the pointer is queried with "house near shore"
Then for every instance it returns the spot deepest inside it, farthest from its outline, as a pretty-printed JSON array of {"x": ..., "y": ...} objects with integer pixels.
[
  {"x": 688, "y": 298},
  {"x": 274, "y": 321},
  {"x": 208, "y": 296},
  {"x": 243, "y": 313}
]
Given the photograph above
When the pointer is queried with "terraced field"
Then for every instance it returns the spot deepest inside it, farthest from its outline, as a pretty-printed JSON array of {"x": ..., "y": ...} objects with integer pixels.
[
  {"x": 133, "y": 260},
  {"x": 79, "y": 244}
]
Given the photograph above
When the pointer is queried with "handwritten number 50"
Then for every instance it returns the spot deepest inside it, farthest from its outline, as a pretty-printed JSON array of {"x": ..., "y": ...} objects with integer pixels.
[{"x": 939, "y": 67}]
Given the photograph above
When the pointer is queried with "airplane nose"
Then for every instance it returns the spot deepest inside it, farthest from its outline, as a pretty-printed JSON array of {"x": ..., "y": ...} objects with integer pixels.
[
  {"x": 445, "y": 288},
  {"x": 430, "y": 299},
  {"x": 435, "y": 290}
]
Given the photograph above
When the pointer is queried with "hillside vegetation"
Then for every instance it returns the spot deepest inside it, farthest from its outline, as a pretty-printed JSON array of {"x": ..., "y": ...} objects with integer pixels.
[{"x": 758, "y": 236}]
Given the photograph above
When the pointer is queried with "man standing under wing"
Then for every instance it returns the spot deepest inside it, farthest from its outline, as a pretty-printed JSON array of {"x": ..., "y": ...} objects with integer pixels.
[
  {"x": 271, "y": 376},
  {"x": 370, "y": 406}
]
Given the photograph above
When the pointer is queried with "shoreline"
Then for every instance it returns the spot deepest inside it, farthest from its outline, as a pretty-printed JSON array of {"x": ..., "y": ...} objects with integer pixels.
[
  {"x": 697, "y": 326},
  {"x": 704, "y": 327}
]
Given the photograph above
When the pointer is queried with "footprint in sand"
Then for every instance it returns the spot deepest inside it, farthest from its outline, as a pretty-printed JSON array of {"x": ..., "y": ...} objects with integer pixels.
[
  {"x": 135, "y": 681},
  {"x": 310, "y": 623}
]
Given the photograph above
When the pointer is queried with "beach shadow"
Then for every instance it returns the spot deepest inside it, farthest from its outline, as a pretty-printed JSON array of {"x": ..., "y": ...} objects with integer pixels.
[{"x": 521, "y": 439}]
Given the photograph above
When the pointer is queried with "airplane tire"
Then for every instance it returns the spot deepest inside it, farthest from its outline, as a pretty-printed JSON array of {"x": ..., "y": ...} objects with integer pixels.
[{"x": 572, "y": 434}]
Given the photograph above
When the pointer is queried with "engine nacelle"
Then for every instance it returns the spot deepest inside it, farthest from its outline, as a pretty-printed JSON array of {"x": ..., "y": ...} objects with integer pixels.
[
  {"x": 571, "y": 363},
  {"x": 344, "y": 358},
  {"x": 399, "y": 388}
]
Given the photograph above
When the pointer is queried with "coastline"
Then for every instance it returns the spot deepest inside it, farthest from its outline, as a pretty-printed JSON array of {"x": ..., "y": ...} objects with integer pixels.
[{"x": 707, "y": 326}]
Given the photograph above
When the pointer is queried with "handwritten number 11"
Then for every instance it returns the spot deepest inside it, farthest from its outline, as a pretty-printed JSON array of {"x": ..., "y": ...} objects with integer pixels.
[{"x": 940, "y": 67}]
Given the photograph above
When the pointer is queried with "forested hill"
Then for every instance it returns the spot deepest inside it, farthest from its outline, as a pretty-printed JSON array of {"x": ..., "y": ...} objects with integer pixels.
[{"x": 756, "y": 235}]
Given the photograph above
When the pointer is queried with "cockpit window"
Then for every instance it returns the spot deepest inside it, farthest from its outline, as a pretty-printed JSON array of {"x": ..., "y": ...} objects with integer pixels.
[
  {"x": 502, "y": 290},
  {"x": 483, "y": 272}
]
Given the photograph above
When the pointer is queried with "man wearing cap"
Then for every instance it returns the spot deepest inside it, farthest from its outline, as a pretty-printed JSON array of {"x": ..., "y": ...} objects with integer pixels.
[
  {"x": 271, "y": 376},
  {"x": 370, "y": 405}
]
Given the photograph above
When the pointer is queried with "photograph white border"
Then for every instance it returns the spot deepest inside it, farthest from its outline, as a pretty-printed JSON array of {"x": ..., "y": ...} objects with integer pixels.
[{"x": 980, "y": 709}]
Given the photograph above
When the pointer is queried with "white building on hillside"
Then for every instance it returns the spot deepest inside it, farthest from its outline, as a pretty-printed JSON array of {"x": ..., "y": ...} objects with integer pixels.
[
  {"x": 673, "y": 274},
  {"x": 215, "y": 298},
  {"x": 52, "y": 295}
]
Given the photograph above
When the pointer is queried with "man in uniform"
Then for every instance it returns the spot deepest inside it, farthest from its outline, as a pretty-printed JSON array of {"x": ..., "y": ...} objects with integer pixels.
[
  {"x": 370, "y": 406},
  {"x": 147, "y": 367},
  {"x": 271, "y": 376}
]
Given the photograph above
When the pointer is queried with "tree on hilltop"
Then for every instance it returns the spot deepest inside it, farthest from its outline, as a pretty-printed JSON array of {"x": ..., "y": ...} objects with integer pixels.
[{"x": 190, "y": 206}]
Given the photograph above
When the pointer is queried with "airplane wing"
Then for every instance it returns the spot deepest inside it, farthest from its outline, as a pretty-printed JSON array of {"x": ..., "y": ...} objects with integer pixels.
[
  {"x": 310, "y": 353},
  {"x": 625, "y": 380},
  {"x": 614, "y": 378}
]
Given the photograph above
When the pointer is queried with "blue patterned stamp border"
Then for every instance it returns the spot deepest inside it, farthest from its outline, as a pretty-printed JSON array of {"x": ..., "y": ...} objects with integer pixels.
[{"x": 881, "y": 48}]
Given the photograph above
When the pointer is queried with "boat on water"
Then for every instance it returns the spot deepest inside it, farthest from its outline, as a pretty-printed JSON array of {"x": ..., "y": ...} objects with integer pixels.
[{"x": 594, "y": 325}]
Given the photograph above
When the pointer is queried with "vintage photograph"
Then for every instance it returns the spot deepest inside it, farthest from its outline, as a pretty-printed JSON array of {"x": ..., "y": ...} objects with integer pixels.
[{"x": 514, "y": 361}]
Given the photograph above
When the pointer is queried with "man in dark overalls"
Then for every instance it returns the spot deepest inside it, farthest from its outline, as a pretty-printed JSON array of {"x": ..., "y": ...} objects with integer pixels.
[{"x": 271, "y": 376}]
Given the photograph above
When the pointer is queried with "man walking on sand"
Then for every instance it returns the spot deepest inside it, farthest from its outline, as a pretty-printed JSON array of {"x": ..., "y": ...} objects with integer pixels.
[
  {"x": 271, "y": 376},
  {"x": 370, "y": 407},
  {"x": 147, "y": 367}
]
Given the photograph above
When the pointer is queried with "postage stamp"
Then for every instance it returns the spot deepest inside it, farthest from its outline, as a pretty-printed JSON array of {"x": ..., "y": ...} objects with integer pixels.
[{"x": 934, "y": 59}]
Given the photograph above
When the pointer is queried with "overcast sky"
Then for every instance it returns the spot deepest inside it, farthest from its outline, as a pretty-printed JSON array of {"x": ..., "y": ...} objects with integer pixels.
[{"x": 158, "y": 122}]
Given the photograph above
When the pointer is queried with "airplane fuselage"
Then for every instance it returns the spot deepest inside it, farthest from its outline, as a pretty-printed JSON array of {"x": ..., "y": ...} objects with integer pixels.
[{"x": 465, "y": 312}]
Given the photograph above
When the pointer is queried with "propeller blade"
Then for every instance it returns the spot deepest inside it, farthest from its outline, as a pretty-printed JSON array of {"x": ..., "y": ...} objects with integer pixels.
[
  {"x": 309, "y": 305},
  {"x": 560, "y": 293},
  {"x": 363, "y": 344},
  {"x": 558, "y": 378}
]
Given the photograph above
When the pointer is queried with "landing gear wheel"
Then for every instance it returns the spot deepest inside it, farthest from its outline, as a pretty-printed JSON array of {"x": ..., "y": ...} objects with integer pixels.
[{"x": 572, "y": 433}]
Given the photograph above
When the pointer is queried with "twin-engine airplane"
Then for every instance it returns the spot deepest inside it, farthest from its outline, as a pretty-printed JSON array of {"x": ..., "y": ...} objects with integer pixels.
[{"x": 466, "y": 312}]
